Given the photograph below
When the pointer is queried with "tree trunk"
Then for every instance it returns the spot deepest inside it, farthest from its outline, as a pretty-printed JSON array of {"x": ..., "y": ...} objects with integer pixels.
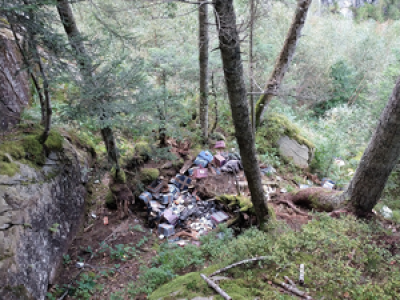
[
  {"x": 379, "y": 158},
  {"x": 252, "y": 19},
  {"x": 85, "y": 67},
  {"x": 284, "y": 59},
  {"x": 229, "y": 45},
  {"x": 203, "y": 62}
]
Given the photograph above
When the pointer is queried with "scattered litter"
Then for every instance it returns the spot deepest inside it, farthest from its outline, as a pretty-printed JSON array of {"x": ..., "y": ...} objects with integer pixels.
[
  {"x": 340, "y": 162},
  {"x": 166, "y": 229},
  {"x": 93, "y": 215},
  {"x": 268, "y": 169},
  {"x": 97, "y": 181},
  {"x": 219, "y": 145},
  {"x": 327, "y": 183},
  {"x": 161, "y": 236},
  {"x": 200, "y": 173},
  {"x": 283, "y": 190},
  {"x": 232, "y": 166},
  {"x": 219, "y": 217},
  {"x": 304, "y": 186},
  {"x": 105, "y": 220},
  {"x": 386, "y": 212},
  {"x": 80, "y": 265}
]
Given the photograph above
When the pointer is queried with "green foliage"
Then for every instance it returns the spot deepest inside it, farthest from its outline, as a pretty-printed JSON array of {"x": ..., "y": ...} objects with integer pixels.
[
  {"x": 54, "y": 227},
  {"x": 86, "y": 286},
  {"x": 122, "y": 252},
  {"x": 344, "y": 84},
  {"x": 66, "y": 259},
  {"x": 381, "y": 11},
  {"x": 143, "y": 149},
  {"x": 148, "y": 175}
]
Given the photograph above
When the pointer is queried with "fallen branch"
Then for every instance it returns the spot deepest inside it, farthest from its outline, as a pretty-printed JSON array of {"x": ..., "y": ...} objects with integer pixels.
[
  {"x": 216, "y": 287},
  {"x": 290, "y": 281},
  {"x": 294, "y": 290},
  {"x": 240, "y": 263},
  {"x": 292, "y": 206}
]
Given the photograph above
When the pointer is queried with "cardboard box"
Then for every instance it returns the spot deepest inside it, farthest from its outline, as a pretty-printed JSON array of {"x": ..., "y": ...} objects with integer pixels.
[
  {"x": 219, "y": 160},
  {"x": 182, "y": 182},
  {"x": 219, "y": 217},
  {"x": 170, "y": 217},
  {"x": 155, "y": 186},
  {"x": 166, "y": 229},
  {"x": 219, "y": 145},
  {"x": 200, "y": 173}
]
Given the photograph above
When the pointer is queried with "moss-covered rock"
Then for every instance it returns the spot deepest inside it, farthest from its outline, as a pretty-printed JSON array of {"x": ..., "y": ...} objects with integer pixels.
[
  {"x": 149, "y": 174},
  {"x": 244, "y": 203},
  {"x": 143, "y": 149},
  {"x": 54, "y": 141},
  {"x": 34, "y": 149},
  {"x": 273, "y": 129}
]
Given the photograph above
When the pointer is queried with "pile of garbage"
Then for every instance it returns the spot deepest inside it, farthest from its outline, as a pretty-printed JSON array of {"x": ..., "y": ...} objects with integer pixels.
[{"x": 174, "y": 205}]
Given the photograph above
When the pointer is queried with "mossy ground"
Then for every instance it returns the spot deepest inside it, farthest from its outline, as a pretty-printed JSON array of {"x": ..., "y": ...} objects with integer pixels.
[
  {"x": 148, "y": 175},
  {"x": 344, "y": 259}
]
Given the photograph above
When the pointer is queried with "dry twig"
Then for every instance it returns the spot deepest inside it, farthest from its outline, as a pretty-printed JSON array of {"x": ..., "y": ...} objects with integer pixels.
[
  {"x": 216, "y": 287},
  {"x": 240, "y": 263}
]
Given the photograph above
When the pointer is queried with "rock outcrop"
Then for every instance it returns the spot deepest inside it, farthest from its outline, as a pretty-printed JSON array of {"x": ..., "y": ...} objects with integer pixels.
[
  {"x": 14, "y": 82},
  {"x": 290, "y": 148},
  {"x": 40, "y": 212}
]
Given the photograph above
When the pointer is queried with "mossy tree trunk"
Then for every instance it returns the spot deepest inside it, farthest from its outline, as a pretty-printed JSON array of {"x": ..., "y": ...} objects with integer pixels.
[
  {"x": 229, "y": 44},
  {"x": 203, "y": 64},
  {"x": 284, "y": 59}
]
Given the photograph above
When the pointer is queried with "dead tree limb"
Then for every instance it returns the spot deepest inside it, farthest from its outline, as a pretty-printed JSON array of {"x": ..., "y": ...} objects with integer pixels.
[
  {"x": 240, "y": 263},
  {"x": 292, "y": 206},
  {"x": 283, "y": 60},
  {"x": 216, "y": 287}
]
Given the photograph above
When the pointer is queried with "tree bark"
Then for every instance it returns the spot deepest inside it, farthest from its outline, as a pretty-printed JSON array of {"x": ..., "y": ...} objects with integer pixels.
[
  {"x": 379, "y": 159},
  {"x": 203, "y": 62},
  {"x": 229, "y": 44},
  {"x": 284, "y": 59},
  {"x": 252, "y": 19}
]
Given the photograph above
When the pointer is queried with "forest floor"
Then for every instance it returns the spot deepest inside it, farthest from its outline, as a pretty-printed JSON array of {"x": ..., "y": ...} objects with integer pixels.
[{"x": 118, "y": 255}]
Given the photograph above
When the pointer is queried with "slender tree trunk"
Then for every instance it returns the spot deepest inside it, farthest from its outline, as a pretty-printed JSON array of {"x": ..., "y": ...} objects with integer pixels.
[
  {"x": 379, "y": 158},
  {"x": 284, "y": 59},
  {"x": 252, "y": 19},
  {"x": 85, "y": 67},
  {"x": 203, "y": 61},
  {"x": 229, "y": 45}
]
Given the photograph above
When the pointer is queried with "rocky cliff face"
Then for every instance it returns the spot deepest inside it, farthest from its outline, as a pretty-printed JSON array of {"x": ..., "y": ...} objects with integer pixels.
[
  {"x": 40, "y": 211},
  {"x": 14, "y": 83}
]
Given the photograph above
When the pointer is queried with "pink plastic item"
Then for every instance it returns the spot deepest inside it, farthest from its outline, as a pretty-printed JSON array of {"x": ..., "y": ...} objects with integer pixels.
[
  {"x": 219, "y": 144},
  {"x": 200, "y": 173},
  {"x": 219, "y": 160}
]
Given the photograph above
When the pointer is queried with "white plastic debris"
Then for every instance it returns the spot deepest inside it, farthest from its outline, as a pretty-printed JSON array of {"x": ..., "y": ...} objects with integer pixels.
[
  {"x": 80, "y": 265},
  {"x": 161, "y": 236},
  {"x": 386, "y": 212},
  {"x": 97, "y": 181},
  {"x": 328, "y": 185},
  {"x": 93, "y": 215},
  {"x": 283, "y": 190}
]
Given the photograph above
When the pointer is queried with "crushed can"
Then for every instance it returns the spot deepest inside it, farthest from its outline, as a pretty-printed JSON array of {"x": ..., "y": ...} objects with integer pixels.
[
  {"x": 200, "y": 173},
  {"x": 166, "y": 229},
  {"x": 219, "y": 160},
  {"x": 219, "y": 217},
  {"x": 170, "y": 216},
  {"x": 166, "y": 198},
  {"x": 182, "y": 182},
  {"x": 146, "y": 197},
  {"x": 219, "y": 145},
  {"x": 155, "y": 187}
]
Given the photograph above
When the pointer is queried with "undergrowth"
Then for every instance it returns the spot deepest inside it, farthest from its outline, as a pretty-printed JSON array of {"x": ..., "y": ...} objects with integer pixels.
[{"x": 344, "y": 258}]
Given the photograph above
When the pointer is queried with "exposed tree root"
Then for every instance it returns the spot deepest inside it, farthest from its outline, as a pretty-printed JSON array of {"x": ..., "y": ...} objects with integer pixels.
[{"x": 292, "y": 206}]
